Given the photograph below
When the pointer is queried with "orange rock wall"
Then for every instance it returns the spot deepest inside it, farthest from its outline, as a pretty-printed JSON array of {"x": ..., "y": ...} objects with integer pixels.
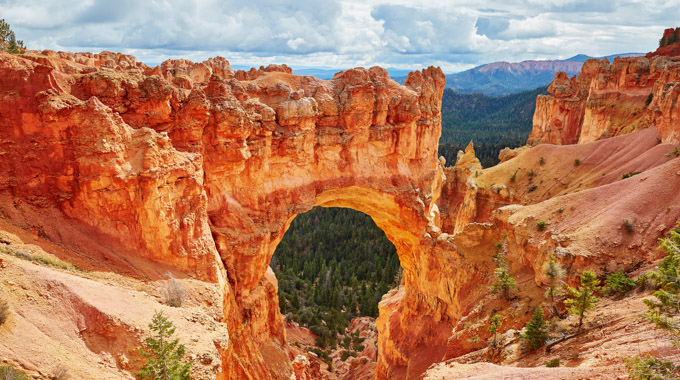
[
  {"x": 196, "y": 168},
  {"x": 607, "y": 100},
  {"x": 200, "y": 169}
]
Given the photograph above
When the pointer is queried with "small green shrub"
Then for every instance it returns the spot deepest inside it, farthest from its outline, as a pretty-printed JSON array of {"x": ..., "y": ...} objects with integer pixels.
[
  {"x": 643, "y": 281},
  {"x": 533, "y": 188},
  {"x": 555, "y": 274},
  {"x": 675, "y": 152},
  {"x": 42, "y": 260},
  {"x": 514, "y": 176},
  {"x": 628, "y": 175},
  {"x": 163, "y": 354},
  {"x": 649, "y": 368},
  {"x": 628, "y": 225},
  {"x": 553, "y": 363},
  {"x": 619, "y": 283},
  {"x": 560, "y": 210},
  {"x": 10, "y": 373},
  {"x": 577, "y": 162},
  {"x": 320, "y": 353},
  {"x": 4, "y": 311},
  {"x": 541, "y": 225},
  {"x": 345, "y": 355},
  {"x": 531, "y": 174},
  {"x": 504, "y": 282},
  {"x": 542, "y": 161},
  {"x": 583, "y": 298},
  {"x": 494, "y": 324}
]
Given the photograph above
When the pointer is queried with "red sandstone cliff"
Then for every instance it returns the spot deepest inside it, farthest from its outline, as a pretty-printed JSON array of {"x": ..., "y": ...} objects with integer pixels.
[
  {"x": 199, "y": 169},
  {"x": 608, "y": 99},
  {"x": 584, "y": 205},
  {"x": 669, "y": 45}
]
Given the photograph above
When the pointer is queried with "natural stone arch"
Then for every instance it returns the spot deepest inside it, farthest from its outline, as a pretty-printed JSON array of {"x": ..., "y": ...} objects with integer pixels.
[
  {"x": 360, "y": 141},
  {"x": 199, "y": 168},
  {"x": 397, "y": 222}
]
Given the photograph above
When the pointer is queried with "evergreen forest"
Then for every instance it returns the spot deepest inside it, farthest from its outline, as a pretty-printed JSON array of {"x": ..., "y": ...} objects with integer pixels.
[
  {"x": 333, "y": 264},
  {"x": 491, "y": 122}
]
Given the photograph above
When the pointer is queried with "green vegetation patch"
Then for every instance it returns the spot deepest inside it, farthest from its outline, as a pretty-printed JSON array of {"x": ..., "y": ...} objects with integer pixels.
[
  {"x": 42, "y": 260},
  {"x": 10, "y": 373},
  {"x": 333, "y": 265},
  {"x": 491, "y": 122}
]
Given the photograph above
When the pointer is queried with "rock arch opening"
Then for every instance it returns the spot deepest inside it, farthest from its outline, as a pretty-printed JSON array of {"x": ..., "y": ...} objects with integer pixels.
[
  {"x": 400, "y": 223},
  {"x": 333, "y": 266}
]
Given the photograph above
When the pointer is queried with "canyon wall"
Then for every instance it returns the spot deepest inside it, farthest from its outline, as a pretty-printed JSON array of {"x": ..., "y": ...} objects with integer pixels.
[
  {"x": 198, "y": 169},
  {"x": 608, "y": 99},
  {"x": 594, "y": 188}
]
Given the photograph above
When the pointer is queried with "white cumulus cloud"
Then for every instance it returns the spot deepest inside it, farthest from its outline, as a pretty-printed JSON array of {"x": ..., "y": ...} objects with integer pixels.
[{"x": 454, "y": 34}]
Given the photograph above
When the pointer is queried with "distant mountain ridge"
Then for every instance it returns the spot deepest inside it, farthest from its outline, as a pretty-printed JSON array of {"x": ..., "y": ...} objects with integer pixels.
[
  {"x": 503, "y": 78},
  {"x": 491, "y": 79}
]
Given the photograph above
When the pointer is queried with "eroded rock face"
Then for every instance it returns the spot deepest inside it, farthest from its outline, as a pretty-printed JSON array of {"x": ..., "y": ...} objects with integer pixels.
[
  {"x": 668, "y": 49},
  {"x": 607, "y": 100},
  {"x": 201, "y": 169},
  {"x": 80, "y": 157},
  {"x": 583, "y": 208},
  {"x": 195, "y": 168}
]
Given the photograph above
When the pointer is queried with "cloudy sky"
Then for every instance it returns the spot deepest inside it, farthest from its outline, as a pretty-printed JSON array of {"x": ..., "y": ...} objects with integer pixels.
[{"x": 406, "y": 34}]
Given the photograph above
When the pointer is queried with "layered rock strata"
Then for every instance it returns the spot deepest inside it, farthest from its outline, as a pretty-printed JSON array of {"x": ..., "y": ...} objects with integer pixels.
[
  {"x": 200, "y": 169},
  {"x": 608, "y": 99}
]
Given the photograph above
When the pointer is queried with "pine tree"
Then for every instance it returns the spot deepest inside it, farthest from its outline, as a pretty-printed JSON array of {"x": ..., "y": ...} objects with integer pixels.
[
  {"x": 583, "y": 298},
  {"x": 163, "y": 358},
  {"x": 555, "y": 274},
  {"x": 504, "y": 281},
  {"x": 663, "y": 311},
  {"x": 283, "y": 304},
  {"x": 536, "y": 330},
  {"x": 494, "y": 324},
  {"x": 8, "y": 40},
  {"x": 667, "y": 277}
]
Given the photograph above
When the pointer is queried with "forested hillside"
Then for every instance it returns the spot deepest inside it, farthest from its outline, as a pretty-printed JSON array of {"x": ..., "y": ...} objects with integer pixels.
[
  {"x": 492, "y": 123},
  {"x": 503, "y": 78}
]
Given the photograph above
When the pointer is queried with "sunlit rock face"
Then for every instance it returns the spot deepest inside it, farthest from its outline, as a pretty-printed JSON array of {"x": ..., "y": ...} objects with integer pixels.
[
  {"x": 609, "y": 99},
  {"x": 197, "y": 168}
]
